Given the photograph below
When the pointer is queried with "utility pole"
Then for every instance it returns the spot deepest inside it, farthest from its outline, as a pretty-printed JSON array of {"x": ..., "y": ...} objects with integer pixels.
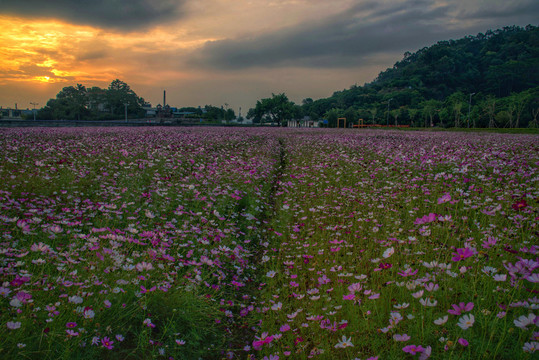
[
  {"x": 387, "y": 117},
  {"x": 33, "y": 103},
  {"x": 470, "y": 108}
]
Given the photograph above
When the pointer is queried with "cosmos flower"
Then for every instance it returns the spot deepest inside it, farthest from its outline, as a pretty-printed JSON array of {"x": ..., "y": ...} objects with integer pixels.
[
  {"x": 107, "y": 343},
  {"x": 344, "y": 343},
  {"x": 519, "y": 205},
  {"x": 461, "y": 254},
  {"x": 413, "y": 349},
  {"x": 403, "y": 337},
  {"x": 523, "y": 321},
  {"x": 389, "y": 251},
  {"x": 12, "y": 325},
  {"x": 466, "y": 321},
  {"x": 442, "y": 320},
  {"x": 461, "y": 308},
  {"x": 531, "y": 347}
]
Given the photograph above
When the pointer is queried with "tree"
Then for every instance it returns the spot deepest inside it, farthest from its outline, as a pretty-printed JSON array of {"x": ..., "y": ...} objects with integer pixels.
[
  {"x": 77, "y": 102},
  {"x": 373, "y": 112},
  {"x": 332, "y": 116},
  {"x": 395, "y": 113},
  {"x": 70, "y": 104},
  {"x": 118, "y": 94},
  {"x": 413, "y": 113},
  {"x": 516, "y": 108},
  {"x": 275, "y": 109},
  {"x": 456, "y": 102},
  {"x": 430, "y": 108},
  {"x": 489, "y": 107}
]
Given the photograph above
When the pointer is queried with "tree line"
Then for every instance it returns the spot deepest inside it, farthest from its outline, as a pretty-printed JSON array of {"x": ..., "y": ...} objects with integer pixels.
[
  {"x": 82, "y": 103},
  {"x": 487, "y": 80}
]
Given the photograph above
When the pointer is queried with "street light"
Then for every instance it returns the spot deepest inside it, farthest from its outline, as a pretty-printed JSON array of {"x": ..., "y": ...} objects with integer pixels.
[
  {"x": 387, "y": 117},
  {"x": 470, "y": 108},
  {"x": 33, "y": 103}
]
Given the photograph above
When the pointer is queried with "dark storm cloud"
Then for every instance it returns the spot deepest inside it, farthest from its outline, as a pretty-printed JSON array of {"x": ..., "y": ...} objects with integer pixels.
[
  {"x": 344, "y": 40},
  {"x": 527, "y": 9},
  {"x": 340, "y": 40},
  {"x": 117, "y": 14}
]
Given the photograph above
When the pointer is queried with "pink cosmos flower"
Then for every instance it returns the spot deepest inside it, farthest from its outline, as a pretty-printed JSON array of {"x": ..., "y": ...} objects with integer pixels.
[
  {"x": 144, "y": 266},
  {"x": 403, "y": 337},
  {"x": 107, "y": 343},
  {"x": 445, "y": 198},
  {"x": 461, "y": 308},
  {"x": 71, "y": 325},
  {"x": 462, "y": 253},
  {"x": 408, "y": 272},
  {"x": 425, "y": 219},
  {"x": 324, "y": 280},
  {"x": 413, "y": 349},
  {"x": 148, "y": 323},
  {"x": 463, "y": 342},
  {"x": 264, "y": 339}
]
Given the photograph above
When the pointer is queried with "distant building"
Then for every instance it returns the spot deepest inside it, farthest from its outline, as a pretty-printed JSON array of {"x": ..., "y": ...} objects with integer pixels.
[
  {"x": 15, "y": 114},
  {"x": 305, "y": 122},
  {"x": 150, "y": 111}
]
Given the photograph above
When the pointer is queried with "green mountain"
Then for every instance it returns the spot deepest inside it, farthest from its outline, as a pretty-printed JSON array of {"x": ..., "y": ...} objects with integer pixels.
[{"x": 433, "y": 85}]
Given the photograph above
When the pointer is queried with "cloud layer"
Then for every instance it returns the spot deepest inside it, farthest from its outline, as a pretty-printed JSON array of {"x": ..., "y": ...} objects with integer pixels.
[
  {"x": 114, "y": 14},
  {"x": 217, "y": 51},
  {"x": 349, "y": 38}
]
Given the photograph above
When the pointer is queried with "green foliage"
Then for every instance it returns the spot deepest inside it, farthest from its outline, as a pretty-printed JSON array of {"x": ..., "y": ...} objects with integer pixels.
[
  {"x": 214, "y": 113},
  {"x": 80, "y": 103},
  {"x": 276, "y": 109},
  {"x": 501, "y": 64}
]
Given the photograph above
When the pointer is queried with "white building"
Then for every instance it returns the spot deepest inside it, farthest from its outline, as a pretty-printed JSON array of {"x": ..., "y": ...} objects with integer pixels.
[{"x": 305, "y": 122}]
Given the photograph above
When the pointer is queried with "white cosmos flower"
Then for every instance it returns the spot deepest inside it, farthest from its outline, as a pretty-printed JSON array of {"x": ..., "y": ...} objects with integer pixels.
[
  {"x": 466, "y": 321},
  {"x": 428, "y": 302},
  {"x": 523, "y": 321},
  {"x": 531, "y": 347},
  {"x": 344, "y": 343},
  {"x": 389, "y": 251},
  {"x": 441, "y": 321}
]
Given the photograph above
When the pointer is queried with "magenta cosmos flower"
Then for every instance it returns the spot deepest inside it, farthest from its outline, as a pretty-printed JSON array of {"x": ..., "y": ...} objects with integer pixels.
[
  {"x": 413, "y": 349},
  {"x": 461, "y": 308},
  {"x": 462, "y": 253},
  {"x": 107, "y": 343}
]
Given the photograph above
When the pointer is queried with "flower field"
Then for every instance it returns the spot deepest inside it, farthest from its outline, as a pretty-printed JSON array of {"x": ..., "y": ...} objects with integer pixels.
[{"x": 214, "y": 243}]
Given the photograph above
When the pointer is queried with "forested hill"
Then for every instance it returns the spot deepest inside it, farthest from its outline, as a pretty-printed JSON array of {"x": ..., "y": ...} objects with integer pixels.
[
  {"x": 495, "y": 65},
  {"x": 498, "y": 62}
]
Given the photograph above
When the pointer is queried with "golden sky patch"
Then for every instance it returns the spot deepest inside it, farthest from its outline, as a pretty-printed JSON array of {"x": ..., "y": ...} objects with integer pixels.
[{"x": 52, "y": 51}]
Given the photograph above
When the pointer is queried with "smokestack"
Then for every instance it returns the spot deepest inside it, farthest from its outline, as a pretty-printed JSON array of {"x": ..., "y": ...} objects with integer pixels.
[{"x": 164, "y": 98}]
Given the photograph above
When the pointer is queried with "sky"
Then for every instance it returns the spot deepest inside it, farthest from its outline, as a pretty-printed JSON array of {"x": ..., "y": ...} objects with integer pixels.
[{"x": 225, "y": 53}]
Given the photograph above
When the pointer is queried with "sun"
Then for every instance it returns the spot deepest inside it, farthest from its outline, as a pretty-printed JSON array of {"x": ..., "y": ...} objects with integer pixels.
[{"x": 43, "y": 79}]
